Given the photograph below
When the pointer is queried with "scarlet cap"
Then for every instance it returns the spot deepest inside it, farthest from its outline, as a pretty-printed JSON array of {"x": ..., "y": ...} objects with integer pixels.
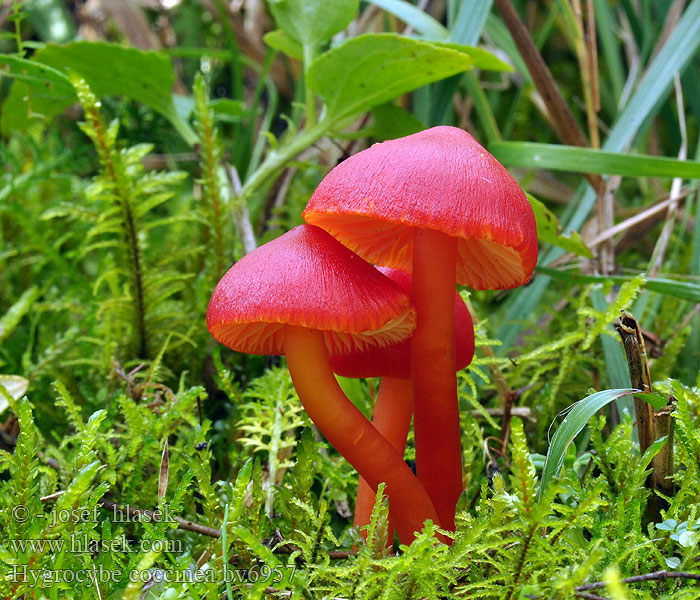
[
  {"x": 440, "y": 179},
  {"x": 308, "y": 279},
  {"x": 395, "y": 360}
]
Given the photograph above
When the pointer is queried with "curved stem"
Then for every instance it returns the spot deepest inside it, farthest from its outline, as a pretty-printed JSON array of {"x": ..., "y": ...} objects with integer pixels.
[
  {"x": 436, "y": 423},
  {"x": 347, "y": 429},
  {"x": 278, "y": 158},
  {"x": 309, "y": 55},
  {"x": 392, "y": 418}
]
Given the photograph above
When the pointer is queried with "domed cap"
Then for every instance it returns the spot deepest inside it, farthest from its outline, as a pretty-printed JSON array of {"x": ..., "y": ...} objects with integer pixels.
[
  {"x": 308, "y": 279},
  {"x": 440, "y": 179},
  {"x": 395, "y": 360}
]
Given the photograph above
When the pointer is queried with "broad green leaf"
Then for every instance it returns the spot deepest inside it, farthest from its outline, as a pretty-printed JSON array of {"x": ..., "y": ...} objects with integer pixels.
[
  {"x": 684, "y": 290},
  {"x": 374, "y": 68},
  {"x": 421, "y": 21},
  {"x": 656, "y": 400},
  {"x": 15, "y": 386},
  {"x": 231, "y": 109},
  {"x": 38, "y": 91},
  {"x": 388, "y": 121},
  {"x": 587, "y": 160},
  {"x": 571, "y": 426},
  {"x": 312, "y": 22},
  {"x": 10, "y": 320},
  {"x": 46, "y": 81},
  {"x": 483, "y": 59},
  {"x": 109, "y": 69},
  {"x": 280, "y": 40},
  {"x": 549, "y": 230}
]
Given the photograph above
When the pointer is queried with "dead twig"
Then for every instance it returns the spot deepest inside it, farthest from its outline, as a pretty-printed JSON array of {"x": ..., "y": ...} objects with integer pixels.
[
  {"x": 589, "y": 596},
  {"x": 140, "y": 513},
  {"x": 652, "y": 425},
  {"x": 153, "y": 516},
  {"x": 241, "y": 216},
  {"x": 563, "y": 119},
  {"x": 655, "y": 576},
  {"x": 650, "y": 215},
  {"x": 633, "y": 342}
]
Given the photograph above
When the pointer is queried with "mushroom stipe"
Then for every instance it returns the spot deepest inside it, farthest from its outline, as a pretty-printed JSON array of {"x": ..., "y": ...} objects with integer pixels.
[
  {"x": 393, "y": 409},
  {"x": 307, "y": 296},
  {"x": 437, "y": 203}
]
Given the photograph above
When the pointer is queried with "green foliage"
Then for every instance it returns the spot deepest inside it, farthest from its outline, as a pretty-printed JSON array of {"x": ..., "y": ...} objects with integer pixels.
[
  {"x": 586, "y": 160},
  {"x": 312, "y": 22},
  {"x": 12, "y": 317},
  {"x": 108, "y": 69},
  {"x": 545, "y": 368},
  {"x": 268, "y": 421},
  {"x": 576, "y": 419},
  {"x": 549, "y": 230},
  {"x": 214, "y": 216},
  {"x": 125, "y": 194},
  {"x": 381, "y": 67}
]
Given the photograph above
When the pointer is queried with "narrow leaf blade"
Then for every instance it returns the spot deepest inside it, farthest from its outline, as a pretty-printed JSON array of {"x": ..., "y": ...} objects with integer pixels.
[
  {"x": 571, "y": 426},
  {"x": 559, "y": 157},
  {"x": 422, "y": 22}
]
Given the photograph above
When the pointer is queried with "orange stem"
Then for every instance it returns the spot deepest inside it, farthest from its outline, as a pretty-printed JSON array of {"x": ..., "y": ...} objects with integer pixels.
[
  {"x": 392, "y": 418},
  {"x": 436, "y": 421},
  {"x": 349, "y": 432}
]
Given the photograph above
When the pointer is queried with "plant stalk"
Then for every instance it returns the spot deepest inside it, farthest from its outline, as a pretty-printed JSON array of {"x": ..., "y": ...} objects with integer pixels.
[
  {"x": 652, "y": 424},
  {"x": 392, "y": 418},
  {"x": 349, "y": 432},
  {"x": 433, "y": 366}
]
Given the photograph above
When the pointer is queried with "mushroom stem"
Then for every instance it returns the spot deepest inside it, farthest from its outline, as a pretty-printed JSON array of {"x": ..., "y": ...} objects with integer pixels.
[
  {"x": 393, "y": 410},
  {"x": 436, "y": 422},
  {"x": 349, "y": 432}
]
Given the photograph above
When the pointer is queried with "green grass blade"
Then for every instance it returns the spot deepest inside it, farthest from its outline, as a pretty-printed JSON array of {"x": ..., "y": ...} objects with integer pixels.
[
  {"x": 498, "y": 32},
  {"x": 422, "y": 22},
  {"x": 683, "y": 290},
  {"x": 616, "y": 369},
  {"x": 657, "y": 81},
  {"x": 615, "y": 362},
  {"x": 610, "y": 54},
  {"x": 571, "y": 426},
  {"x": 694, "y": 266},
  {"x": 588, "y": 160},
  {"x": 469, "y": 21},
  {"x": 654, "y": 87},
  {"x": 482, "y": 107}
]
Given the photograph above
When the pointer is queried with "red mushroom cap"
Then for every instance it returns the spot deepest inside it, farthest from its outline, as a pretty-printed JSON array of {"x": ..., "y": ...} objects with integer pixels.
[
  {"x": 440, "y": 179},
  {"x": 395, "y": 361},
  {"x": 308, "y": 279}
]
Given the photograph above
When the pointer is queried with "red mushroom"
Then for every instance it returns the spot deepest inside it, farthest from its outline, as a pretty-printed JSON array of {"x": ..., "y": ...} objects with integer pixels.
[
  {"x": 307, "y": 296},
  {"x": 438, "y": 204},
  {"x": 393, "y": 408}
]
